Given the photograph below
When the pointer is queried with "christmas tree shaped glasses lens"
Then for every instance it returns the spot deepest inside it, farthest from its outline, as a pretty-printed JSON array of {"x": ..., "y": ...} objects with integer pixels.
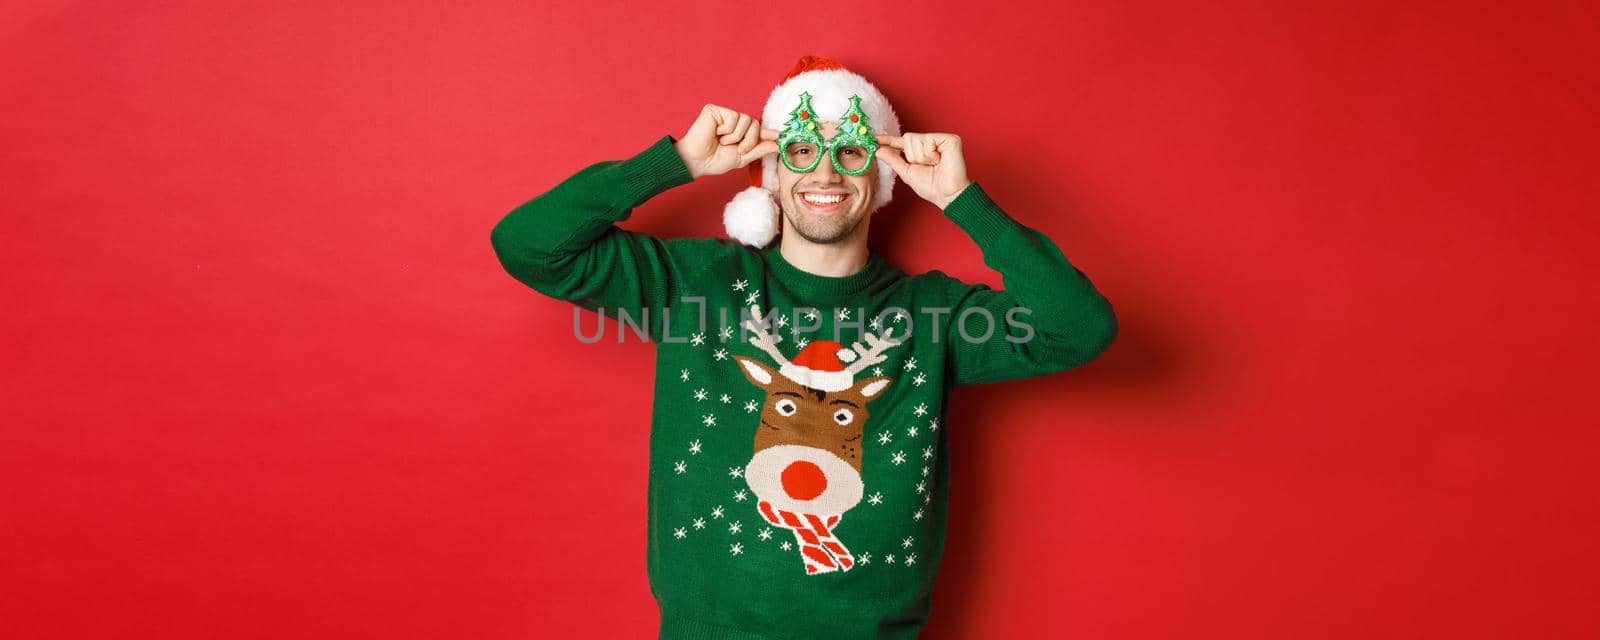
[{"x": 850, "y": 150}]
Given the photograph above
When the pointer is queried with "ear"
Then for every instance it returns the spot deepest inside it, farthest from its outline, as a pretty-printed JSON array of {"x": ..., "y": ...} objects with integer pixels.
[
  {"x": 758, "y": 374},
  {"x": 872, "y": 386}
]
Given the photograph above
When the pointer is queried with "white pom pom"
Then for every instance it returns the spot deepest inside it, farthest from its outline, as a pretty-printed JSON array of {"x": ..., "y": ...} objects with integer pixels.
[
  {"x": 751, "y": 217},
  {"x": 845, "y": 355}
]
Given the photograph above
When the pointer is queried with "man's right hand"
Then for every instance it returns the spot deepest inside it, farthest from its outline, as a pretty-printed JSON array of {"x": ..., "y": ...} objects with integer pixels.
[{"x": 721, "y": 140}]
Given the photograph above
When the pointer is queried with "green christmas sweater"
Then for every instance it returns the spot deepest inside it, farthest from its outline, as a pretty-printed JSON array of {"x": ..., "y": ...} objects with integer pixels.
[{"x": 798, "y": 462}]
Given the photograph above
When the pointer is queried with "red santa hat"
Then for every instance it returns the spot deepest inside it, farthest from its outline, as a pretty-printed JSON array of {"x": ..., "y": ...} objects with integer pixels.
[
  {"x": 752, "y": 216},
  {"x": 821, "y": 365}
]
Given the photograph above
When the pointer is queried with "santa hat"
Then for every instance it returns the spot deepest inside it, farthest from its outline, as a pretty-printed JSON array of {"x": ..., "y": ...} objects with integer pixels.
[
  {"x": 820, "y": 365},
  {"x": 752, "y": 216}
]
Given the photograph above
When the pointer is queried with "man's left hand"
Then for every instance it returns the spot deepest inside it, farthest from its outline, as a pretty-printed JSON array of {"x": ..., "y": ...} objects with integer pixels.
[{"x": 931, "y": 163}]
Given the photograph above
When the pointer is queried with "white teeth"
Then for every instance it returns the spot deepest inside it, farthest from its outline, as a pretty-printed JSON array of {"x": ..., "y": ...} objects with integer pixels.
[{"x": 817, "y": 198}]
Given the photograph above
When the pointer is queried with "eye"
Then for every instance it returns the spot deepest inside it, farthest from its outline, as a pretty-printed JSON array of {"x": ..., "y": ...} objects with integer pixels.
[
  {"x": 843, "y": 416},
  {"x": 852, "y": 151},
  {"x": 785, "y": 407}
]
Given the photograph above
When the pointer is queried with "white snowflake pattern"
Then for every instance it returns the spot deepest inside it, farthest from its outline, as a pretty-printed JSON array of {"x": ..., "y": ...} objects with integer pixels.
[
  {"x": 750, "y": 406},
  {"x": 911, "y": 431},
  {"x": 717, "y": 512},
  {"x": 725, "y": 398},
  {"x": 698, "y": 339},
  {"x": 911, "y": 559},
  {"x": 933, "y": 425},
  {"x": 875, "y": 498},
  {"x": 694, "y": 448},
  {"x": 927, "y": 452},
  {"x": 735, "y": 472},
  {"x": 766, "y": 534},
  {"x": 709, "y": 420},
  {"x": 811, "y": 315},
  {"x": 921, "y": 409},
  {"x": 784, "y": 545},
  {"x": 865, "y": 558},
  {"x": 683, "y": 374},
  {"x": 740, "y": 496},
  {"x": 876, "y": 323},
  {"x": 889, "y": 558},
  {"x": 725, "y": 334},
  {"x": 801, "y": 342},
  {"x": 739, "y": 285},
  {"x": 755, "y": 294},
  {"x": 927, "y": 497},
  {"x": 924, "y": 470},
  {"x": 877, "y": 371},
  {"x": 720, "y": 354},
  {"x": 917, "y": 516},
  {"x": 679, "y": 467},
  {"x": 679, "y": 533},
  {"x": 899, "y": 458},
  {"x": 699, "y": 394},
  {"x": 844, "y": 313},
  {"x": 922, "y": 486},
  {"x": 699, "y": 523},
  {"x": 884, "y": 437},
  {"x": 911, "y": 363},
  {"x": 783, "y": 321},
  {"x": 906, "y": 544},
  {"x": 735, "y": 527},
  {"x": 919, "y": 379},
  {"x": 736, "y": 548}
]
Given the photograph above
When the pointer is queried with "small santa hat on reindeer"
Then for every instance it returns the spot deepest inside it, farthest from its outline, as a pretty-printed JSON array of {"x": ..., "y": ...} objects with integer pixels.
[
  {"x": 821, "y": 365},
  {"x": 752, "y": 216}
]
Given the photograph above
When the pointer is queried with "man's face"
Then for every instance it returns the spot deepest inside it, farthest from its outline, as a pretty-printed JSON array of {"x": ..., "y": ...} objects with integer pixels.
[{"x": 825, "y": 222}]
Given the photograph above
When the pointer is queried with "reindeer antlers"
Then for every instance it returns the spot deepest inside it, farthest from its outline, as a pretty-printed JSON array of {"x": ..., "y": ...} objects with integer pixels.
[
  {"x": 767, "y": 342},
  {"x": 866, "y": 356},
  {"x": 873, "y": 354}
]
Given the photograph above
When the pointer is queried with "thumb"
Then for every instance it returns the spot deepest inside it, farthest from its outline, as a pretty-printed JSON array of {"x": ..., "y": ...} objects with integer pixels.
[
  {"x": 892, "y": 156},
  {"x": 761, "y": 150}
]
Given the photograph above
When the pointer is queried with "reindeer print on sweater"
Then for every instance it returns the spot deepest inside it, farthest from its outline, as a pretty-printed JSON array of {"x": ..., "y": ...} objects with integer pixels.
[{"x": 806, "y": 470}]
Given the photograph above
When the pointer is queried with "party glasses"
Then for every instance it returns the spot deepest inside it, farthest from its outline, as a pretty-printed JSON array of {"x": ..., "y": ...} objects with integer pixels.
[{"x": 851, "y": 148}]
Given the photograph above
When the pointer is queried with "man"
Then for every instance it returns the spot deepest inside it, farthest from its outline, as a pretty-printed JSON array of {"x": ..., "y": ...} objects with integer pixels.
[{"x": 797, "y": 484}]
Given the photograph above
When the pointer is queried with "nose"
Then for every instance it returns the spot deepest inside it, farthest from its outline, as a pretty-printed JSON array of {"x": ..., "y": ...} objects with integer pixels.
[
  {"x": 825, "y": 171},
  {"x": 803, "y": 480}
]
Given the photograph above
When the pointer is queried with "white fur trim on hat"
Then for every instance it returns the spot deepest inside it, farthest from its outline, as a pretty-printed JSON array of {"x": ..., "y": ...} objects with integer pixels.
[
  {"x": 751, "y": 217},
  {"x": 824, "y": 380}
]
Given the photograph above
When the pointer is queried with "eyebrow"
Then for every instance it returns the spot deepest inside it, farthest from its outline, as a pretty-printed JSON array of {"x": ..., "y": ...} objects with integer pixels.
[
  {"x": 786, "y": 393},
  {"x": 843, "y": 401}
]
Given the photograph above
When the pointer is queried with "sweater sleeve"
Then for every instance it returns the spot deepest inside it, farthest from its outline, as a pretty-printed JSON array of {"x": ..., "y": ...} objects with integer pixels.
[
  {"x": 1049, "y": 317},
  {"x": 564, "y": 243}
]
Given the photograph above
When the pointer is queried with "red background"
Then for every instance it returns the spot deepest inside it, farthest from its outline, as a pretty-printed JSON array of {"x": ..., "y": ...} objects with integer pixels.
[{"x": 264, "y": 377}]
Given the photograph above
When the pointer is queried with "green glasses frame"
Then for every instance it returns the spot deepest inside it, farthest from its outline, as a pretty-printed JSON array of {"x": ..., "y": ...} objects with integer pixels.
[{"x": 854, "y": 131}]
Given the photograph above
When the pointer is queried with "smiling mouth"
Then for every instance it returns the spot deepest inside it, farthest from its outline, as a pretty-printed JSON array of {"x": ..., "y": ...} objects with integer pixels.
[{"x": 824, "y": 203}]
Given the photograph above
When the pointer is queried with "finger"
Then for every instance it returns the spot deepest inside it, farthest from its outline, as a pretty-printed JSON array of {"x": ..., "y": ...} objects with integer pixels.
[
  {"x": 769, "y": 134},
  {"x": 946, "y": 142},
  {"x": 752, "y": 137},
  {"x": 762, "y": 149},
  {"x": 724, "y": 117},
  {"x": 705, "y": 121},
  {"x": 741, "y": 122},
  {"x": 891, "y": 157},
  {"x": 893, "y": 141},
  {"x": 912, "y": 148}
]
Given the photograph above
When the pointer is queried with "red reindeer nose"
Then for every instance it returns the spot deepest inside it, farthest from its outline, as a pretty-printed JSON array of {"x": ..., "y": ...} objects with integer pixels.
[{"x": 803, "y": 480}]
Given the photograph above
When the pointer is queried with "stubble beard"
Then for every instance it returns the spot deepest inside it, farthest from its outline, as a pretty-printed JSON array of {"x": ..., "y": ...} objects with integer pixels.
[{"x": 821, "y": 229}]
